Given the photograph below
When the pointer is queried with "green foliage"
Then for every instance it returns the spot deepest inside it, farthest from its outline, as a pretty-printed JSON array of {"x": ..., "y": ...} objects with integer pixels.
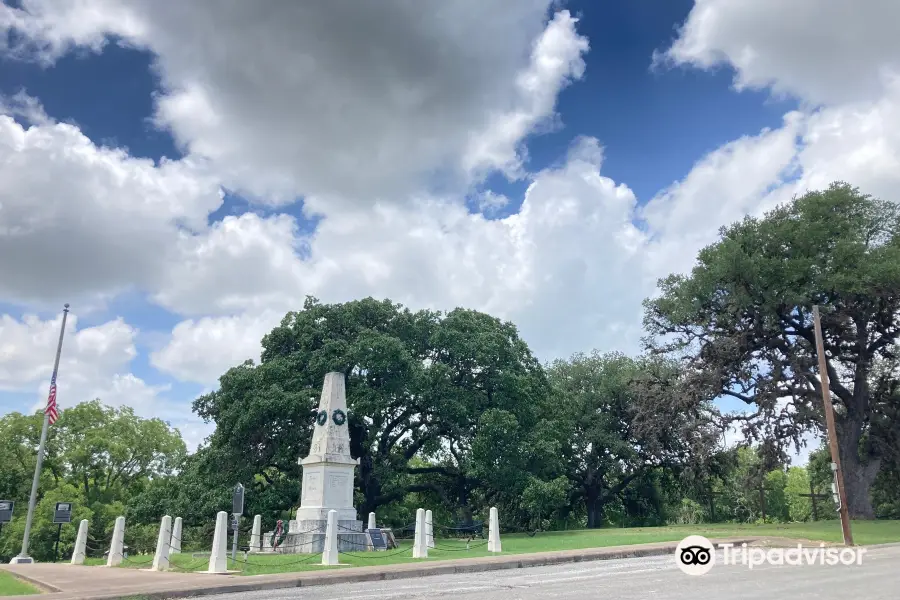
[
  {"x": 799, "y": 507},
  {"x": 99, "y": 458},
  {"x": 621, "y": 418},
  {"x": 742, "y": 322},
  {"x": 43, "y": 530},
  {"x": 777, "y": 507},
  {"x": 542, "y": 498},
  {"x": 437, "y": 388},
  {"x": 689, "y": 512}
]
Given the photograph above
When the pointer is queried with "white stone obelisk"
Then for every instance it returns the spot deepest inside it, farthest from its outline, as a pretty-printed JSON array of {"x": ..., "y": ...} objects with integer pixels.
[
  {"x": 328, "y": 470},
  {"x": 80, "y": 551},
  {"x": 218, "y": 558},
  {"x": 429, "y": 529},
  {"x": 256, "y": 534},
  {"x": 175, "y": 543},
  {"x": 494, "y": 531},
  {"x": 372, "y": 524},
  {"x": 330, "y": 555},
  {"x": 420, "y": 546},
  {"x": 117, "y": 544},
  {"x": 161, "y": 557}
]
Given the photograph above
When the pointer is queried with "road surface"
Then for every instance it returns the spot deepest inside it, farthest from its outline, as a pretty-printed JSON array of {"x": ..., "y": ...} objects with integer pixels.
[{"x": 877, "y": 578}]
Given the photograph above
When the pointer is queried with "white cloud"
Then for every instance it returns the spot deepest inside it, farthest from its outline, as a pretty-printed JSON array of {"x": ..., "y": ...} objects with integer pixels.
[
  {"x": 340, "y": 98},
  {"x": 203, "y": 350},
  {"x": 242, "y": 263},
  {"x": 527, "y": 267},
  {"x": 570, "y": 268},
  {"x": 823, "y": 51},
  {"x": 557, "y": 58},
  {"x": 78, "y": 221},
  {"x": 95, "y": 362}
]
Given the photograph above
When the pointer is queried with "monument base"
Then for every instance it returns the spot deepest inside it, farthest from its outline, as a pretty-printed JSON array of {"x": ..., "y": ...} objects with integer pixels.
[
  {"x": 308, "y": 537},
  {"x": 21, "y": 560}
]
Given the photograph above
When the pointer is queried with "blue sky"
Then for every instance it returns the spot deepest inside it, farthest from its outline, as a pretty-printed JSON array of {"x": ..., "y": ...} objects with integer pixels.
[{"x": 724, "y": 151}]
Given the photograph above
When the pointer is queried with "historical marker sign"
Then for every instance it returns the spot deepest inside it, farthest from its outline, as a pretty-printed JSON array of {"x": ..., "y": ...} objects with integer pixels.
[
  {"x": 63, "y": 512},
  {"x": 389, "y": 538},
  {"x": 378, "y": 541},
  {"x": 6, "y": 510},
  {"x": 237, "y": 500}
]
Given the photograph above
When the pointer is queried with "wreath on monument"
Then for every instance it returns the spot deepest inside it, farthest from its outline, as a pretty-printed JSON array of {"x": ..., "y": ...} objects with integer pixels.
[
  {"x": 339, "y": 417},
  {"x": 322, "y": 418}
]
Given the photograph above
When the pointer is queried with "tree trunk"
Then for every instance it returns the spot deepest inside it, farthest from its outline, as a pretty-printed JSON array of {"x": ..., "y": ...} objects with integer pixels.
[
  {"x": 465, "y": 509},
  {"x": 858, "y": 475},
  {"x": 594, "y": 505},
  {"x": 858, "y": 480}
]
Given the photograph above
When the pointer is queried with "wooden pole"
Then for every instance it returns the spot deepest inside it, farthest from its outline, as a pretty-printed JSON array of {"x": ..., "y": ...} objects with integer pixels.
[
  {"x": 762, "y": 501},
  {"x": 832, "y": 432},
  {"x": 812, "y": 499}
]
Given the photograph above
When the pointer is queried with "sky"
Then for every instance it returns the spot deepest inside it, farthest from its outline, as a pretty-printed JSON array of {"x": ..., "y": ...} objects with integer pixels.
[{"x": 185, "y": 173}]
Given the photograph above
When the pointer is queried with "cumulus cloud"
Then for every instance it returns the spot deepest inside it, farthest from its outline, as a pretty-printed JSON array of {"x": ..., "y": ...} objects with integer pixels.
[
  {"x": 557, "y": 59},
  {"x": 79, "y": 220},
  {"x": 95, "y": 362},
  {"x": 388, "y": 98},
  {"x": 203, "y": 350},
  {"x": 825, "y": 52}
]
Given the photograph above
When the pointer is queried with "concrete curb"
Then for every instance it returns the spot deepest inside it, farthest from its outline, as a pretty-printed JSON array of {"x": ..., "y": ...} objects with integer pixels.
[{"x": 393, "y": 572}]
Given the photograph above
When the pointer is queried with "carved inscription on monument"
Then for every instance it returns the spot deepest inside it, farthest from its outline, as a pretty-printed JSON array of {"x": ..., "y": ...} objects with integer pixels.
[
  {"x": 336, "y": 493},
  {"x": 310, "y": 486}
]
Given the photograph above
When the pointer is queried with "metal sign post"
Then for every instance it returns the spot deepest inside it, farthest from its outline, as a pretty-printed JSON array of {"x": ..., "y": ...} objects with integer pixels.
[
  {"x": 237, "y": 509},
  {"x": 6, "y": 512},
  {"x": 62, "y": 513}
]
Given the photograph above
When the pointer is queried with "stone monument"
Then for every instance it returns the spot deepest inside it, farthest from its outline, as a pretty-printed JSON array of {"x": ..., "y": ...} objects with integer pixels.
[{"x": 328, "y": 473}]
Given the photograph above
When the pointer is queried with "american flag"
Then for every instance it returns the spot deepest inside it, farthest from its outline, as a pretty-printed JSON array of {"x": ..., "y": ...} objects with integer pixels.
[{"x": 51, "y": 410}]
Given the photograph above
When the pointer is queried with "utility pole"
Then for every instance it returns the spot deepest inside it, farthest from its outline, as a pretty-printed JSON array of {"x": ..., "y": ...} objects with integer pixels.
[
  {"x": 23, "y": 555},
  {"x": 832, "y": 432}
]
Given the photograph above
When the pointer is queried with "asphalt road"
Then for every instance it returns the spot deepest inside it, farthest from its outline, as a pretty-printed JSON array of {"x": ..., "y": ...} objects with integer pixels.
[{"x": 877, "y": 578}]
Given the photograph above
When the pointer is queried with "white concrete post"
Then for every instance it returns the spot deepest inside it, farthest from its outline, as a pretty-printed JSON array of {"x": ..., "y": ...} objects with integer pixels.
[
  {"x": 372, "y": 524},
  {"x": 175, "y": 544},
  {"x": 117, "y": 544},
  {"x": 494, "y": 531},
  {"x": 256, "y": 534},
  {"x": 161, "y": 557},
  {"x": 80, "y": 550},
  {"x": 429, "y": 529},
  {"x": 420, "y": 547},
  {"x": 330, "y": 554},
  {"x": 218, "y": 558}
]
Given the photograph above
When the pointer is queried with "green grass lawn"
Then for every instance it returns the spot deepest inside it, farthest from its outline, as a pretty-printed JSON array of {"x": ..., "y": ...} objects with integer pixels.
[
  {"x": 13, "y": 586},
  {"x": 864, "y": 532}
]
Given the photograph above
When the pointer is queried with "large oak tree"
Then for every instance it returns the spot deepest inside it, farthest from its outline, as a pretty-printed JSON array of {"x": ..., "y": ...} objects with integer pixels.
[
  {"x": 742, "y": 321},
  {"x": 425, "y": 390},
  {"x": 623, "y": 419}
]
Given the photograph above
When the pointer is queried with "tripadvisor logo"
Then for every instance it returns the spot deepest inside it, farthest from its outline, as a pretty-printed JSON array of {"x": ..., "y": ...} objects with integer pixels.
[{"x": 696, "y": 555}]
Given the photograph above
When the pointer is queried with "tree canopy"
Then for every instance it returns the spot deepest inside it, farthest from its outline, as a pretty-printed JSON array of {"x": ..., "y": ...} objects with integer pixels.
[
  {"x": 426, "y": 385},
  {"x": 98, "y": 457},
  {"x": 742, "y": 322}
]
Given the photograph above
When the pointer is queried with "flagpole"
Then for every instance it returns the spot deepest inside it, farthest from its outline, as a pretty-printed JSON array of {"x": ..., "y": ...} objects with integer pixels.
[{"x": 23, "y": 555}]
